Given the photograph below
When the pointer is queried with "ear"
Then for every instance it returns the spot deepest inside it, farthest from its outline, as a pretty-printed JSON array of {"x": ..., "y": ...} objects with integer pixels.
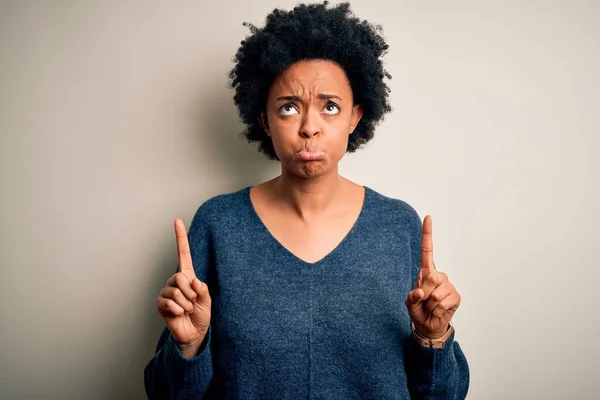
[
  {"x": 357, "y": 113},
  {"x": 264, "y": 122}
]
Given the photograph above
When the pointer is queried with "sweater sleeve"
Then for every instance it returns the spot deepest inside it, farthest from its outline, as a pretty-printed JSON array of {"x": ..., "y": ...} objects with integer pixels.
[
  {"x": 436, "y": 373},
  {"x": 433, "y": 373},
  {"x": 169, "y": 375}
]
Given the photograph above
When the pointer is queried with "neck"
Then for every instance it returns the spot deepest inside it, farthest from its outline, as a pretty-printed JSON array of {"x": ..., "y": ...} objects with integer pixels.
[{"x": 309, "y": 197}]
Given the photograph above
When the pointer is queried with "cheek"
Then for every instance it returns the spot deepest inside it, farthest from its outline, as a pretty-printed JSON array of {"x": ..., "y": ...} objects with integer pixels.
[
  {"x": 284, "y": 135},
  {"x": 342, "y": 133},
  {"x": 282, "y": 130},
  {"x": 342, "y": 144}
]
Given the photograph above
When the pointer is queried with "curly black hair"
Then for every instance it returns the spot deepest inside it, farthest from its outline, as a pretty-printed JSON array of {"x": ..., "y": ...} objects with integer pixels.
[{"x": 307, "y": 32}]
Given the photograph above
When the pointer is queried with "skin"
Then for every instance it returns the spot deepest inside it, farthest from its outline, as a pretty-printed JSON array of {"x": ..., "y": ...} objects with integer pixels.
[
  {"x": 184, "y": 302},
  {"x": 434, "y": 300},
  {"x": 299, "y": 114},
  {"x": 309, "y": 208}
]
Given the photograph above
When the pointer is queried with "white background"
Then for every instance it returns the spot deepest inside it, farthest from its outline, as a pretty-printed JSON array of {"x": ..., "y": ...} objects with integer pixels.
[{"x": 115, "y": 118}]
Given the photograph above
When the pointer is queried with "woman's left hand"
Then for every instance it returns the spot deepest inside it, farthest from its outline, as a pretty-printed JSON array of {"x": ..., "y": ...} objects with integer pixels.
[{"x": 434, "y": 300}]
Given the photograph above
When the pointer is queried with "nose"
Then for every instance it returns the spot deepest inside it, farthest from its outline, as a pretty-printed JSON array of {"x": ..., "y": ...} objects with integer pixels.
[{"x": 310, "y": 125}]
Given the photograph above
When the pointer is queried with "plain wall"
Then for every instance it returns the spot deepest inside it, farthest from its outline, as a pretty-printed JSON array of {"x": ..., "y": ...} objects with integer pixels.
[{"x": 115, "y": 118}]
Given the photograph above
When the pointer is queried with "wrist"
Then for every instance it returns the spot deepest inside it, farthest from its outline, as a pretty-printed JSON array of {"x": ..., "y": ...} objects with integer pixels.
[
  {"x": 434, "y": 341},
  {"x": 429, "y": 335},
  {"x": 191, "y": 348}
]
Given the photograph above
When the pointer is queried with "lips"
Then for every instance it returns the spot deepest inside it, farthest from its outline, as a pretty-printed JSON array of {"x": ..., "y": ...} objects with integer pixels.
[{"x": 310, "y": 153}]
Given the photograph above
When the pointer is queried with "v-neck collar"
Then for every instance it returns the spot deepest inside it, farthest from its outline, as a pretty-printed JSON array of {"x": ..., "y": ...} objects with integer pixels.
[{"x": 293, "y": 256}]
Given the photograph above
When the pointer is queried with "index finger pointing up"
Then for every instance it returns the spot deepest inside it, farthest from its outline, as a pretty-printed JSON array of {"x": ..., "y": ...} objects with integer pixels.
[
  {"x": 183, "y": 249},
  {"x": 427, "y": 244}
]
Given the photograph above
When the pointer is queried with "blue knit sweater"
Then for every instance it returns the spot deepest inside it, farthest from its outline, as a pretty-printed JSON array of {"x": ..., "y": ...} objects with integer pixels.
[{"x": 282, "y": 328}]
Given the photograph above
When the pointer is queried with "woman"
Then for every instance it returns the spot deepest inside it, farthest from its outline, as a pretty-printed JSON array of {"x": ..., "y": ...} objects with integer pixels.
[{"x": 308, "y": 285}]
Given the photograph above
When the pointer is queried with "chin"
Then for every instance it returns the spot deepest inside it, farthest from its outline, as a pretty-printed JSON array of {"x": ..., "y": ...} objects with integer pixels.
[
  {"x": 314, "y": 169},
  {"x": 309, "y": 169}
]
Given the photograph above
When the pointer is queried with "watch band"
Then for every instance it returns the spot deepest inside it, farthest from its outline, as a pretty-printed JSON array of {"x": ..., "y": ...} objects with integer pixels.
[{"x": 438, "y": 343}]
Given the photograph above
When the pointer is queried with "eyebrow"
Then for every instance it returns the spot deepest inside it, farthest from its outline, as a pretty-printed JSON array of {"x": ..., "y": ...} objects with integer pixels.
[{"x": 320, "y": 96}]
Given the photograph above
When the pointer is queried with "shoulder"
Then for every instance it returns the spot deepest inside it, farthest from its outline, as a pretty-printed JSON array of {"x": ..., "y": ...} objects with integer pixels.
[
  {"x": 396, "y": 218},
  {"x": 392, "y": 208},
  {"x": 221, "y": 208}
]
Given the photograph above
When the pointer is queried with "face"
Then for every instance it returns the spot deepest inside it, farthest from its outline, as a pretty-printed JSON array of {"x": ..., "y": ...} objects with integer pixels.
[{"x": 310, "y": 114}]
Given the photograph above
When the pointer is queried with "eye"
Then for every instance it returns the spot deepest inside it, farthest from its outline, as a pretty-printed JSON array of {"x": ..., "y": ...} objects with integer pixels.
[
  {"x": 288, "y": 109},
  {"x": 331, "y": 108}
]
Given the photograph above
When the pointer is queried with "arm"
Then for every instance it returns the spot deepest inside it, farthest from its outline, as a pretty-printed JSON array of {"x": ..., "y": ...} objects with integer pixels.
[
  {"x": 432, "y": 373},
  {"x": 181, "y": 373},
  {"x": 436, "y": 373},
  {"x": 170, "y": 375}
]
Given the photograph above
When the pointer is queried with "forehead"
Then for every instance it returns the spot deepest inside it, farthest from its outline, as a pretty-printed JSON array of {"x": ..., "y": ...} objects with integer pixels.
[{"x": 308, "y": 76}]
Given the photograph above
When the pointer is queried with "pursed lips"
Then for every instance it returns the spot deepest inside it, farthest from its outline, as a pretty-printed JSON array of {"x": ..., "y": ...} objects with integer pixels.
[{"x": 310, "y": 153}]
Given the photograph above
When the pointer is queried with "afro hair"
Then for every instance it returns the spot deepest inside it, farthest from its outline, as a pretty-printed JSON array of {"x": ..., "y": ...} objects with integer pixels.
[{"x": 310, "y": 32}]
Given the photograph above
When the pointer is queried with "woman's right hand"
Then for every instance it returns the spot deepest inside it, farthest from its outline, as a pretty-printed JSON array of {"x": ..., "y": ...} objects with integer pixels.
[{"x": 185, "y": 302}]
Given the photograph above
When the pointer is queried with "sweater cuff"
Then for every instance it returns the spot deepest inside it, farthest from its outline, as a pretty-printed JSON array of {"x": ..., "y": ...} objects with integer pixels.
[{"x": 192, "y": 371}]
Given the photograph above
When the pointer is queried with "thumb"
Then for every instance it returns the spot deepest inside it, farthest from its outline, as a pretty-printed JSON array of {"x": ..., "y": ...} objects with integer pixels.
[
  {"x": 415, "y": 296},
  {"x": 201, "y": 290}
]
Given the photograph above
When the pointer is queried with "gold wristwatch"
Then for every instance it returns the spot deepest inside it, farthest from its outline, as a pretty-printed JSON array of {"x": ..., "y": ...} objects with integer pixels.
[{"x": 438, "y": 343}]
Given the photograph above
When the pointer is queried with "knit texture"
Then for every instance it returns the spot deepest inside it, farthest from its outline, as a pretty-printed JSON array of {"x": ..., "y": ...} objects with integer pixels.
[{"x": 282, "y": 328}]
